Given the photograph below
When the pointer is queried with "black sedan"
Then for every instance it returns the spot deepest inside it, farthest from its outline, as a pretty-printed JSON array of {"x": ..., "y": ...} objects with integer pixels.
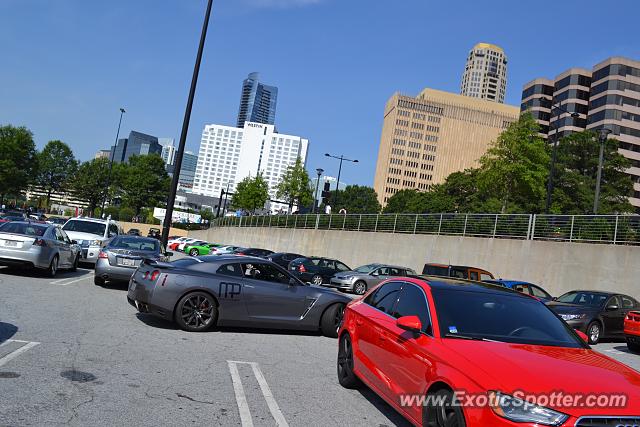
[
  {"x": 597, "y": 314},
  {"x": 257, "y": 252},
  {"x": 316, "y": 270},
  {"x": 283, "y": 258},
  {"x": 200, "y": 293}
]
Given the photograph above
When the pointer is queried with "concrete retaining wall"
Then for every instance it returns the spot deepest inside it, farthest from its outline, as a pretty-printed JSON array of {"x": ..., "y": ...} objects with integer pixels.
[{"x": 556, "y": 266}]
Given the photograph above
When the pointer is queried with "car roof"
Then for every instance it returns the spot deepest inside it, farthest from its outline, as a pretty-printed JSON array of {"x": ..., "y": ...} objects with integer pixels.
[
  {"x": 508, "y": 282},
  {"x": 40, "y": 223},
  {"x": 435, "y": 264},
  {"x": 439, "y": 282},
  {"x": 594, "y": 292},
  {"x": 86, "y": 218},
  {"x": 221, "y": 259}
]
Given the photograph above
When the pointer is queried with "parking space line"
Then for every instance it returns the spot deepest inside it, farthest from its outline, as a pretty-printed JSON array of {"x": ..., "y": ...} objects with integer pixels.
[
  {"x": 15, "y": 353},
  {"x": 66, "y": 281},
  {"x": 241, "y": 400}
]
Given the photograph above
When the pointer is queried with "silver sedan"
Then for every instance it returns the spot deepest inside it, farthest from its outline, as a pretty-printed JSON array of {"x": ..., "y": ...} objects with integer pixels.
[
  {"x": 366, "y": 277},
  {"x": 37, "y": 245},
  {"x": 118, "y": 260}
]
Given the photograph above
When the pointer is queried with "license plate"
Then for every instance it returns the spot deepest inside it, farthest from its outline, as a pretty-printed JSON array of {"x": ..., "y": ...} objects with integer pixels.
[
  {"x": 11, "y": 243},
  {"x": 128, "y": 262}
]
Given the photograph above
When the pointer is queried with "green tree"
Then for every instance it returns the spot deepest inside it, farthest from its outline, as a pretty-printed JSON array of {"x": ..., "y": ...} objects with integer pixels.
[
  {"x": 18, "y": 160},
  {"x": 576, "y": 174},
  {"x": 88, "y": 182},
  {"x": 515, "y": 168},
  {"x": 143, "y": 182},
  {"x": 357, "y": 199},
  {"x": 56, "y": 164},
  {"x": 251, "y": 193},
  {"x": 295, "y": 186}
]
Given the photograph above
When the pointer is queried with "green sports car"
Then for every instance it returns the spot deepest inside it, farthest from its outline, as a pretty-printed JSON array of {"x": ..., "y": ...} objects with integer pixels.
[{"x": 200, "y": 248}]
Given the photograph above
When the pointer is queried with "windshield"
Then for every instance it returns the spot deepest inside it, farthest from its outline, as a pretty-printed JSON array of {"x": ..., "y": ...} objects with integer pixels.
[
  {"x": 135, "y": 243},
  {"x": 366, "y": 268},
  {"x": 27, "y": 229},
  {"x": 85, "y": 227},
  {"x": 435, "y": 270},
  {"x": 591, "y": 299},
  {"x": 501, "y": 317}
]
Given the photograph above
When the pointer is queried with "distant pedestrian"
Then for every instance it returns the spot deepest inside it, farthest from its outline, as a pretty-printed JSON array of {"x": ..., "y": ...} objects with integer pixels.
[{"x": 327, "y": 209}]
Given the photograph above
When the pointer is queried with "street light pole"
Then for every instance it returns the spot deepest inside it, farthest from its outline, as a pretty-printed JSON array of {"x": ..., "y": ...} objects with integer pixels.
[
  {"x": 315, "y": 199},
  {"x": 554, "y": 151},
  {"x": 341, "y": 158},
  {"x": 185, "y": 129},
  {"x": 106, "y": 190},
  {"x": 603, "y": 134}
]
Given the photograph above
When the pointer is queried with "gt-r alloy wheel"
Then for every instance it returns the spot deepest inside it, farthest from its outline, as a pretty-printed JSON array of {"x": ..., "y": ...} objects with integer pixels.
[
  {"x": 443, "y": 412},
  {"x": 360, "y": 288},
  {"x": 196, "y": 312},
  {"x": 193, "y": 252},
  {"x": 346, "y": 377},
  {"x": 317, "y": 279}
]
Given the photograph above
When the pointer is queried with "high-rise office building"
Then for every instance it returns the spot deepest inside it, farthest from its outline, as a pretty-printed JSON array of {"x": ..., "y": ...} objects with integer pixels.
[
  {"x": 102, "y": 154},
  {"x": 189, "y": 163},
  {"x": 228, "y": 155},
  {"x": 425, "y": 139},
  {"x": 168, "y": 150},
  {"x": 607, "y": 96},
  {"x": 139, "y": 144},
  {"x": 257, "y": 102},
  {"x": 485, "y": 73}
]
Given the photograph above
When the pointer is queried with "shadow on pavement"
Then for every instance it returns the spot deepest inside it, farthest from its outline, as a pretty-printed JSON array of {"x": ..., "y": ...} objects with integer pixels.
[
  {"x": 623, "y": 349},
  {"x": 7, "y": 330},
  {"x": 35, "y": 273},
  {"x": 384, "y": 408},
  {"x": 156, "y": 322}
]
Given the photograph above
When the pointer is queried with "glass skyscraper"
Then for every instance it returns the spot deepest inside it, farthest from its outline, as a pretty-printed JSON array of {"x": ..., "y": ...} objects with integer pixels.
[
  {"x": 257, "y": 102},
  {"x": 138, "y": 143}
]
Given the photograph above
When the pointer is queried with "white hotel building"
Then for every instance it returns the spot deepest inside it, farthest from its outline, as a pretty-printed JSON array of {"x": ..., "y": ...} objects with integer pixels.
[{"x": 229, "y": 154}]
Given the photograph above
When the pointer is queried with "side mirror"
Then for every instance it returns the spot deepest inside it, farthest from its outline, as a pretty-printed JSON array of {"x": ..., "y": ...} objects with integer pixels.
[
  {"x": 168, "y": 254},
  {"x": 554, "y": 299},
  {"x": 74, "y": 242},
  {"x": 409, "y": 323},
  {"x": 612, "y": 307},
  {"x": 375, "y": 273},
  {"x": 582, "y": 335},
  {"x": 293, "y": 282}
]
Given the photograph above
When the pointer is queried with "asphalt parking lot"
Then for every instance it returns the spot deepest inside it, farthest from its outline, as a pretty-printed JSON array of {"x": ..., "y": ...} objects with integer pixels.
[{"x": 76, "y": 354}]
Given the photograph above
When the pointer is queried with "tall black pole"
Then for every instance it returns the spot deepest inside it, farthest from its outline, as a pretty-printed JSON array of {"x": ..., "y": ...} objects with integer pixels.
[
  {"x": 552, "y": 169},
  {"x": 219, "y": 202},
  {"x": 315, "y": 198},
  {"x": 335, "y": 198},
  {"x": 185, "y": 129},
  {"x": 603, "y": 139},
  {"x": 111, "y": 154}
]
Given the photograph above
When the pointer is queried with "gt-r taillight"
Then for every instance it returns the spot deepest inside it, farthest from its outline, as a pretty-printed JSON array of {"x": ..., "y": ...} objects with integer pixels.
[
  {"x": 301, "y": 269},
  {"x": 40, "y": 242},
  {"x": 154, "y": 275}
]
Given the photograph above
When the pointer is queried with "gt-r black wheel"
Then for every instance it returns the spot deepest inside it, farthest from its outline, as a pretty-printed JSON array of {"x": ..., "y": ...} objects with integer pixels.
[
  {"x": 442, "y": 411},
  {"x": 317, "y": 279},
  {"x": 346, "y": 377},
  {"x": 331, "y": 320},
  {"x": 196, "y": 312},
  {"x": 359, "y": 288},
  {"x": 194, "y": 252},
  {"x": 594, "y": 331}
]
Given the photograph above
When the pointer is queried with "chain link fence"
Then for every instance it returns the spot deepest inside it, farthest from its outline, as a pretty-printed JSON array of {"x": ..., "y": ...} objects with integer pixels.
[{"x": 610, "y": 229}]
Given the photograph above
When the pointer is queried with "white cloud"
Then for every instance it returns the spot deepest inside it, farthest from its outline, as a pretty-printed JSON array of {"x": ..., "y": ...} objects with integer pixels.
[{"x": 282, "y": 4}]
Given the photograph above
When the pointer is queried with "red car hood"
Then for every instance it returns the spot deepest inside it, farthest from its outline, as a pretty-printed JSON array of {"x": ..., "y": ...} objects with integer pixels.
[{"x": 539, "y": 369}]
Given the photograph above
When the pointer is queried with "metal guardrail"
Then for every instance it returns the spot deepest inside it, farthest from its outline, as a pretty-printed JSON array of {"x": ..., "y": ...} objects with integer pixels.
[{"x": 610, "y": 229}]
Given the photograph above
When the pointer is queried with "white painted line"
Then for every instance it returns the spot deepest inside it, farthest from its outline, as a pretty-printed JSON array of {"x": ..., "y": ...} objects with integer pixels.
[
  {"x": 9, "y": 357},
  {"x": 268, "y": 396},
  {"x": 241, "y": 399},
  {"x": 65, "y": 282}
]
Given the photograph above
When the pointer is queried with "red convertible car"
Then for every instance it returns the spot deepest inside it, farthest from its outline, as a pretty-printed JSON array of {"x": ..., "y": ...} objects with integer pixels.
[{"x": 452, "y": 353}]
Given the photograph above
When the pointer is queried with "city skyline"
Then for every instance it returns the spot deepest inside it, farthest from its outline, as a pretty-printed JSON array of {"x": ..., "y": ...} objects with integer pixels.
[{"x": 312, "y": 85}]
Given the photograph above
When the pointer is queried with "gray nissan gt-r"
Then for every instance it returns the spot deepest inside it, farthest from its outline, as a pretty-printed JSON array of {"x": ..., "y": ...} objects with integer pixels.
[{"x": 199, "y": 293}]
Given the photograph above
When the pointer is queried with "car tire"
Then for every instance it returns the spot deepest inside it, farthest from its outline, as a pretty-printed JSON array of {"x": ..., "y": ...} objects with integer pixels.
[
  {"x": 331, "y": 320},
  {"x": 98, "y": 281},
  {"x": 442, "y": 411},
  {"x": 633, "y": 347},
  {"x": 53, "y": 267},
  {"x": 196, "y": 312},
  {"x": 317, "y": 279},
  {"x": 360, "y": 288},
  {"x": 594, "y": 332},
  {"x": 194, "y": 252},
  {"x": 346, "y": 377},
  {"x": 76, "y": 261}
]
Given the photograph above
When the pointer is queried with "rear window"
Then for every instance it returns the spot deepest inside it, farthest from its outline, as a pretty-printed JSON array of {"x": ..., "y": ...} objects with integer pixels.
[
  {"x": 23, "y": 228},
  {"x": 134, "y": 243},
  {"x": 435, "y": 270},
  {"x": 85, "y": 227}
]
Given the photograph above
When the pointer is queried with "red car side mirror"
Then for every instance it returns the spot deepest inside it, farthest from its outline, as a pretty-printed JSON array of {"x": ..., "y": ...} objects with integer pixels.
[
  {"x": 582, "y": 335},
  {"x": 409, "y": 323}
]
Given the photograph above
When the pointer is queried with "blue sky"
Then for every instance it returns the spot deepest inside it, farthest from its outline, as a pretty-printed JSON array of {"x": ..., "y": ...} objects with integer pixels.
[{"x": 68, "y": 65}]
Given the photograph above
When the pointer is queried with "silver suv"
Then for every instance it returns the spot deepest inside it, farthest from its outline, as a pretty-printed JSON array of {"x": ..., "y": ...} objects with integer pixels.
[
  {"x": 366, "y": 277},
  {"x": 91, "y": 234}
]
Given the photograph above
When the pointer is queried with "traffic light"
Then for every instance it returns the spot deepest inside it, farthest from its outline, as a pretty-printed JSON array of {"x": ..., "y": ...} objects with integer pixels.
[{"x": 326, "y": 193}]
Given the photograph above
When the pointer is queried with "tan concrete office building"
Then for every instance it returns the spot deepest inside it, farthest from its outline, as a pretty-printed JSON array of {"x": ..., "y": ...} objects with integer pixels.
[
  {"x": 485, "y": 73},
  {"x": 426, "y": 138}
]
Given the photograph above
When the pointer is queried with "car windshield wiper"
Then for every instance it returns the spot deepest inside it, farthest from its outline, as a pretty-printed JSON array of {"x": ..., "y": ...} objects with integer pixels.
[{"x": 468, "y": 337}]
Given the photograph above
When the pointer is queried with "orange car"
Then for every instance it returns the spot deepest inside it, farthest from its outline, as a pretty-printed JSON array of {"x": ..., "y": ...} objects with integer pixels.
[
  {"x": 632, "y": 331},
  {"x": 458, "y": 271}
]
